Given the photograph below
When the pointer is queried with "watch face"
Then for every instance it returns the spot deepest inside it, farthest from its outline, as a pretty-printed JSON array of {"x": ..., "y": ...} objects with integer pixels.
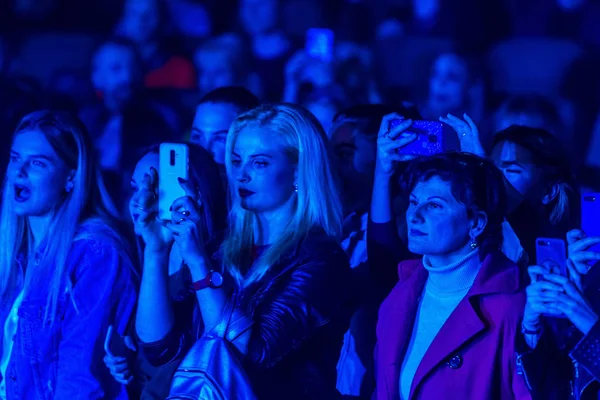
[{"x": 216, "y": 279}]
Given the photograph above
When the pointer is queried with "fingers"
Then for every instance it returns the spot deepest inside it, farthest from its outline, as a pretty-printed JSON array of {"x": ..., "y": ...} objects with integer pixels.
[
  {"x": 180, "y": 228},
  {"x": 394, "y": 145},
  {"x": 575, "y": 275},
  {"x": 384, "y": 128},
  {"x": 545, "y": 286},
  {"x": 184, "y": 208},
  {"x": 585, "y": 256},
  {"x": 583, "y": 244},
  {"x": 188, "y": 187},
  {"x": 535, "y": 271},
  {"x": 399, "y": 129},
  {"x": 575, "y": 235},
  {"x": 471, "y": 123}
]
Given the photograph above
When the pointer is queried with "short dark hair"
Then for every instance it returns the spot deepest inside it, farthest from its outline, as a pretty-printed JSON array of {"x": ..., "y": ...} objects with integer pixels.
[
  {"x": 475, "y": 182},
  {"x": 241, "y": 98},
  {"x": 370, "y": 115}
]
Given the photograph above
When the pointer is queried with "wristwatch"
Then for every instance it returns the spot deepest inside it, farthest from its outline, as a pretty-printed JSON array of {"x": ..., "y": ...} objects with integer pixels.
[{"x": 213, "y": 280}]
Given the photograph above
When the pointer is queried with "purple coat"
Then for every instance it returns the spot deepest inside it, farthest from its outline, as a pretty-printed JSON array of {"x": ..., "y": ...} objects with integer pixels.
[{"x": 473, "y": 356}]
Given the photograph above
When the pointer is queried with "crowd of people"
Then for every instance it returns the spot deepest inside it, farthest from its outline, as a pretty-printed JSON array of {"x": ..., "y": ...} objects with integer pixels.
[{"x": 311, "y": 255}]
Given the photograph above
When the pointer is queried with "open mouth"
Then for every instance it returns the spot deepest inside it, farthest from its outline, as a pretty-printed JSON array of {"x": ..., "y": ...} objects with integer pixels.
[{"x": 22, "y": 193}]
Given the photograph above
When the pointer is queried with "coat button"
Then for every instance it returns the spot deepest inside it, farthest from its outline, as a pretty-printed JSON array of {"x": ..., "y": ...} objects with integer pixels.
[{"x": 455, "y": 362}]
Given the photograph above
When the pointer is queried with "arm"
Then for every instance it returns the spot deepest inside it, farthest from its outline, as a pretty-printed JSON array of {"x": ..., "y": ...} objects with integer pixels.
[
  {"x": 154, "y": 317},
  {"x": 103, "y": 293}
]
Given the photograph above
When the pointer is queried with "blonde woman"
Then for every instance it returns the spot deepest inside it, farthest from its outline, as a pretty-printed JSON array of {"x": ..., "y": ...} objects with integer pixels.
[
  {"x": 65, "y": 275},
  {"x": 288, "y": 274}
]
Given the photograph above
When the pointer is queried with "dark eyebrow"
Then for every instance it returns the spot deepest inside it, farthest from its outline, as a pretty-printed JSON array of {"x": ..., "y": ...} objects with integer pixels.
[
  {"x": 41, "y": 156},
  {"x": 438, "y": 197},
  {"x": 261, "y": 155}
]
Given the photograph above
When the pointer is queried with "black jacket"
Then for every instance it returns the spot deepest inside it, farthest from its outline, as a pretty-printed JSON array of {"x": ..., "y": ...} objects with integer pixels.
[{"x": 300, "y": 312}]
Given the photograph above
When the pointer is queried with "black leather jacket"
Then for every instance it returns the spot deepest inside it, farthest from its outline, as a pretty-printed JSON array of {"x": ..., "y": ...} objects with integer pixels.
[{"x": 300, "y": 312}]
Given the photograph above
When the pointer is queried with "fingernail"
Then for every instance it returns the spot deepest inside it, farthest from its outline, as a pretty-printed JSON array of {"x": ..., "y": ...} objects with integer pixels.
[{"x": 180, "y": 180}]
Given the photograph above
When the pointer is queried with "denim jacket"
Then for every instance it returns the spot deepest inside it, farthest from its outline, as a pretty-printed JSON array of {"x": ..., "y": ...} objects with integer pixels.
[{"x": 64, "y": 360}]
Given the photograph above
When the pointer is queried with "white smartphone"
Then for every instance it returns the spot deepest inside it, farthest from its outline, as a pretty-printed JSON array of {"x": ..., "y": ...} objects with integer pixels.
[{"x": 173, "y": 164}]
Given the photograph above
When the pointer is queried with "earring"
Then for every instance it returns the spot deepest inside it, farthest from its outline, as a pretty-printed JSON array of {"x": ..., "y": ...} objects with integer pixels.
[
  {"x": 295, "y": 187},
  {"x": 474, "y": 244}
]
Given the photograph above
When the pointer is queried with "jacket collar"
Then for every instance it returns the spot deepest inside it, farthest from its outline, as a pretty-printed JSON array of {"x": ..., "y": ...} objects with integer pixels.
[{"x": 497, "y": 275}]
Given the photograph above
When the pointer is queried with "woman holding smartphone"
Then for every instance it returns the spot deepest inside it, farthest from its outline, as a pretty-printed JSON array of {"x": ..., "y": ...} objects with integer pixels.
[
  {"x": 560, "y": 331},
  {"x": 167, "y": 302},
  {"x": 289, "y": 276},
  {"x": 65, "y": 274}
]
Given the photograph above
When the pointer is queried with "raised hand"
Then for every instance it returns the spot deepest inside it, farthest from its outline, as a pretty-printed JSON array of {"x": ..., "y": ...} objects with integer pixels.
[
  {"x": 155, "y": 236},
  {"x": 187, "y": 225},
  {"x": 389, "y": 141},
  {"x": 468, "y": 133},
  {"x": 571, "y": 303}
]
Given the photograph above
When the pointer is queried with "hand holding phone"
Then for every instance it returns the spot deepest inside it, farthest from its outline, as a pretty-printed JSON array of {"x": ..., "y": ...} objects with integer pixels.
[
  {"x": 173, "y": 164},
  {"x": 429, "y": 138}
]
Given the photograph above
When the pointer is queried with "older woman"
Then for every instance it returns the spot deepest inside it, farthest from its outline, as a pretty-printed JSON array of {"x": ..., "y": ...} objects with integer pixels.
[{"x": 447, "y": 330}]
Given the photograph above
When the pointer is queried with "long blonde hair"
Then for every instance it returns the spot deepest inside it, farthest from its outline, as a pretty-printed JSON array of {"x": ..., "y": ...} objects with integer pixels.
[
  {"x": 317, "y": 204},
  {"x": 87, "y": 202}
]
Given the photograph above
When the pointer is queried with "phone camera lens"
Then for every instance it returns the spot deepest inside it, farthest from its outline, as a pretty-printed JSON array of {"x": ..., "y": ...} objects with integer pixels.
[{"x": 172, "y": 157}]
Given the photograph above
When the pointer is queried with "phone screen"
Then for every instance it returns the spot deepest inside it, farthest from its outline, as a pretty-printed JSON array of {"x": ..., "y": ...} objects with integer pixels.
[
  {"x": 590, "y": 216},
  {"x": 319, "y": 44}
]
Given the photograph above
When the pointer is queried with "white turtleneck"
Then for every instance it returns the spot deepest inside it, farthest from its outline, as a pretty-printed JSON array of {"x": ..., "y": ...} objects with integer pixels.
[{"x": 446, "y": 286}]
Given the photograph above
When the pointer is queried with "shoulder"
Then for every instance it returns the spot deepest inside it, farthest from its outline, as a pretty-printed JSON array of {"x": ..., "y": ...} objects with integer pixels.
[
  {"x": 96, "y": 239},
  {"x": 407, "y": 268},
  {"x": 505, "y": 298},
  {"x": 320, "y": 248}
]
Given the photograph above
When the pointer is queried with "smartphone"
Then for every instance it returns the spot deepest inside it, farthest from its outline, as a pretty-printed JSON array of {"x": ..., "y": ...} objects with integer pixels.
[
  {"x": 430, "y": 138},
  {"x": 590, "y": 216},
  {"x": 114, "y": 344},
  {"x": 553, "y": 251},
  {"x": 173, "y": 164},
  {"x": 319, "y": 43}
]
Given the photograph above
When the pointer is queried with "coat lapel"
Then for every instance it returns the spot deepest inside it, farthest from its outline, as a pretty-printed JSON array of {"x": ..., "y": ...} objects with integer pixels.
[
  {"x": 397, "y": 330},
  {"x": 497, "y": 275},
  {"x": 462, "y": 325}
]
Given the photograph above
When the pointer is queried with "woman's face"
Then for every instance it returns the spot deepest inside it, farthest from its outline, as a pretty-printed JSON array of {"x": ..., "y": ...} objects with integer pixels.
[
  {"x": 437, "y": 223},
  {"x": 142, "y": 168},
  {"x": 448, "y": 84},
  {"x": 37, "y": 178},
  {"x": 516, "y": 163},
  {"x": 263, "y": 173}
]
